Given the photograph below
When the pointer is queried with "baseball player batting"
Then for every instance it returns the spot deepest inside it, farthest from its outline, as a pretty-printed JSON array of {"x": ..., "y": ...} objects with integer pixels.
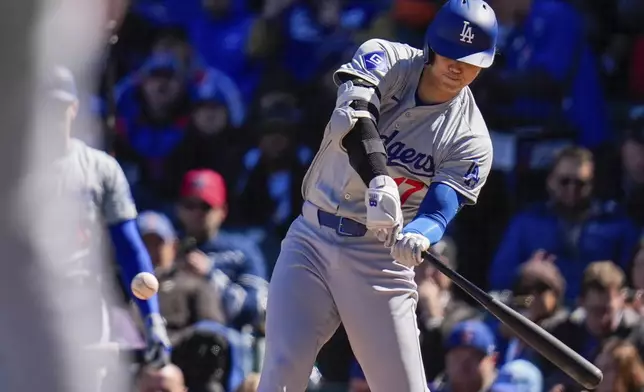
[{"x": 405, "y": 148}]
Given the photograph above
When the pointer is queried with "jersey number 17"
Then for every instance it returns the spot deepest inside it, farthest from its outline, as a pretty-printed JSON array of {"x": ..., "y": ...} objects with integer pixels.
[{"x": 414, "y": 186}]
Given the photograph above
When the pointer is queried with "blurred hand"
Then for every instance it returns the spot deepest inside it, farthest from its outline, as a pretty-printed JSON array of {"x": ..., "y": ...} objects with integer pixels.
[
  {"x": 199, "y": 263},
  {"x": 541, "y": 256},
  {"x": 157, "y": 352},
  {"x": 429, "y": 298},
  {"x": 557, "y": 388}
]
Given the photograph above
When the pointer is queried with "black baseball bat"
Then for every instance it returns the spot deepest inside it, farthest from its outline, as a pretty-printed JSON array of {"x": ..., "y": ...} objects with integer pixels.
[{"x": 562, "y": 356}]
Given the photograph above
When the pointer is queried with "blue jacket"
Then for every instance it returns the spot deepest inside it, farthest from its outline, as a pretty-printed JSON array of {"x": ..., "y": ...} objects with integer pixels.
[
  {"x": 310, "y": 48},
  {"x": 607, "y": 234},
  {"x": 222, "y": 44},
  {"x": 239, "y": 272},
  {"x": 552, "y": 39}
]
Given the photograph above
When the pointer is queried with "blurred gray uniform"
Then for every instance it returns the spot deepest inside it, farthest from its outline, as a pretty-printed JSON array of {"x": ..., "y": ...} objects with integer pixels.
[
  {"x": 35, "y": 334},
  {"x": 92, "y": 186},
  {"x": 325, "y": 275}
]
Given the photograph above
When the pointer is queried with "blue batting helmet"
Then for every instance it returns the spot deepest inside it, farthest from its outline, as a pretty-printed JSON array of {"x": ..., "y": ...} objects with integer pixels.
[{"x": 463, "y": 30}]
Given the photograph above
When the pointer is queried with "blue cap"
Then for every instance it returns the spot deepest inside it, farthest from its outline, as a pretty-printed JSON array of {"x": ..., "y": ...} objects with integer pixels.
[
  {"x": 159, "y": 61},
  {"x": 61, "y": 84},
  {"x": 472, "y": 333},
  {"x": 209, "y": 90},
  {"x": 151, "y": 222},
  {"x": 518, "y": 376}
]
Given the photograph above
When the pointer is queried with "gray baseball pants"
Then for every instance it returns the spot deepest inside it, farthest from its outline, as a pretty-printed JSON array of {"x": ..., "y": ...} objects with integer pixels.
[{"x": 322, "y": 278}]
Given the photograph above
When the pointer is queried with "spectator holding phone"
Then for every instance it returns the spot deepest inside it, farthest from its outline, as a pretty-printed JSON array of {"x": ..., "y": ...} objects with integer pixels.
[
  {"x": 184, "y": 297},
  {"x": 232, "y": 263}
]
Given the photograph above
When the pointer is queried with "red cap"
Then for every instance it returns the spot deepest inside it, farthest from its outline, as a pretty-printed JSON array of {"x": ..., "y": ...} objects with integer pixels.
[{"x": 206, "y": 185}]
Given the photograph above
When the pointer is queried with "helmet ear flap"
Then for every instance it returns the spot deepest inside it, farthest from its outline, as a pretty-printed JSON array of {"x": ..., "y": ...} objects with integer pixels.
[{"x": 428, "y": 55}]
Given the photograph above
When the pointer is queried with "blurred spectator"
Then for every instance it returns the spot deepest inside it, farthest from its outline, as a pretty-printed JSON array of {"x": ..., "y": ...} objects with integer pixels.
[
  {"x": 412, "y": 18},
  {"x": 416, "y": 14},
  {"x": 167, "y": 379},
  {"x": 211, "y": 139},
  {"x": 205, "y": 82},
  {"x": 630, "y": 14},
  {"x": 268, "y": 189},
  {"x": 174, "y": 42},
  {"x": 128, "y": 51},
  {"x": 470, "y": 361},
  {"x": 153, "y": 115},
  {"x": 636, "y": 295},
  {"x": 602, "y": 314},
  {"x": 623, "y": 179},
  {"x": 167, "y": 13},
  {"x": 633, "y": 166},
  {"x": 216, "y": 87},
  {"x": 184, "y": 298},
  {"x": 518, "y": 376},
  {"x": 250, "y": 384},
  {"x": 622, "y": 367},
  {"x": 213, "y": 357},
  {"x": 323, "y": 31},
  {"x": 538, "y": 295},
  {"x": 233, "y": 263},
  {"x": 438, "y": 309},
  {"x": 547, "y": 75},
  {"x": 231, "y": 39},
  {"x": 636, "y": 73},
  {"x": 571, "y": 226}
]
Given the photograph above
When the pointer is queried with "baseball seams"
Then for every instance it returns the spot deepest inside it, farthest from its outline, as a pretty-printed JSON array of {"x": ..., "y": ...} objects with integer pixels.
[{"x": 144, "y": 285}]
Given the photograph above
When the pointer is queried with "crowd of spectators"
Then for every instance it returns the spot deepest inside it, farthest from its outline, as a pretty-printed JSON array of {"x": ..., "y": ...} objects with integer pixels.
[{"x": 215, "y": 108}]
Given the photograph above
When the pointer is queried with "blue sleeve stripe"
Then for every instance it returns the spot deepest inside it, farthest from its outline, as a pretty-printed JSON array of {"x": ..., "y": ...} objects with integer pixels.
[
  {"x": 132, "y": 258},
  {"x": 436, "y": 211}
]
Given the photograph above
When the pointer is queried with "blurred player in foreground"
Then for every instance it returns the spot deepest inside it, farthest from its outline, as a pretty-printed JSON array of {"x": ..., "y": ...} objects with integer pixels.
[
  {"x": 406, "y": 147},
  {"x": 95, "y": 183}
]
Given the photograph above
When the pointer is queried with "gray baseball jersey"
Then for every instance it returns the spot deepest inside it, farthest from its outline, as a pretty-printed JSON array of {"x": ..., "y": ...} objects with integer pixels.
[
  {"x": 323, "y": 276},
  {"x": 98, "y": 194},
  {"x": 92, "y": 193},
  {"x": 446, "y": 143}
]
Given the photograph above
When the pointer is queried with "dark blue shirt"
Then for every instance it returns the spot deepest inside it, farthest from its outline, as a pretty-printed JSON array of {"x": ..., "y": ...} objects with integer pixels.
[
  {"x": 607, "y": 234},
  {"x": 222, "y": 44},
  {"x": 311, "y": 47},
  {"x": 552, "y": 39},
  {"x": 239, "y": 271}
]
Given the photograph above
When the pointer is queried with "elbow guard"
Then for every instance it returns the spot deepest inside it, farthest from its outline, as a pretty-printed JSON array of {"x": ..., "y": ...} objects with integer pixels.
[
  {"x": 362, "y": 97},
  {"x": 358, "y": 104}
]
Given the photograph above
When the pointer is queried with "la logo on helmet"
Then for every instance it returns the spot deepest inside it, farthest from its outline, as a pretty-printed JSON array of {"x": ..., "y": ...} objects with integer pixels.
[{"x": 466, "y": 33}]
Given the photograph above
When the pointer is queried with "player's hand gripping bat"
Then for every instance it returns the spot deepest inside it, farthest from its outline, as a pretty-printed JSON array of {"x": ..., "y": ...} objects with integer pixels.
[{"x": 573, "y": 364}]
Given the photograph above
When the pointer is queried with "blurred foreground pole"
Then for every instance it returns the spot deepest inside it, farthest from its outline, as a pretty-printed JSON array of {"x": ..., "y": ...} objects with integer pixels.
[{"x": 38, "y": 351}]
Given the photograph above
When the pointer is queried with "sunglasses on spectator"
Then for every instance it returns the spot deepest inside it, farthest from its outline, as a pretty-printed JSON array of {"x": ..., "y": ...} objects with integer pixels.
[
  {"x": 166, "y": 73},
  {"x": 195, "y": 205},
  {"x": 538, "y": 288},
  {"x": 576, "y": 182}
]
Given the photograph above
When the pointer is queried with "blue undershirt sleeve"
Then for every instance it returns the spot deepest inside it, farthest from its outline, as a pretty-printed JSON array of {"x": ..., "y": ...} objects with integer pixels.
[
  {"x": 133, "y": 258},
  {"x": 438, "y": 208}
]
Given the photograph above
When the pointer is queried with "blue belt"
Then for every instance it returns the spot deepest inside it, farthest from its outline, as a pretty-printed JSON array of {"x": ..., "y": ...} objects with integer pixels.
[{"x": 343, "y": 226}]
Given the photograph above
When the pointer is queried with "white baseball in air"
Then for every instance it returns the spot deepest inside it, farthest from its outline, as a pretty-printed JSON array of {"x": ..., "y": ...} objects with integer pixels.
[{"x": 144, "y": 285}]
